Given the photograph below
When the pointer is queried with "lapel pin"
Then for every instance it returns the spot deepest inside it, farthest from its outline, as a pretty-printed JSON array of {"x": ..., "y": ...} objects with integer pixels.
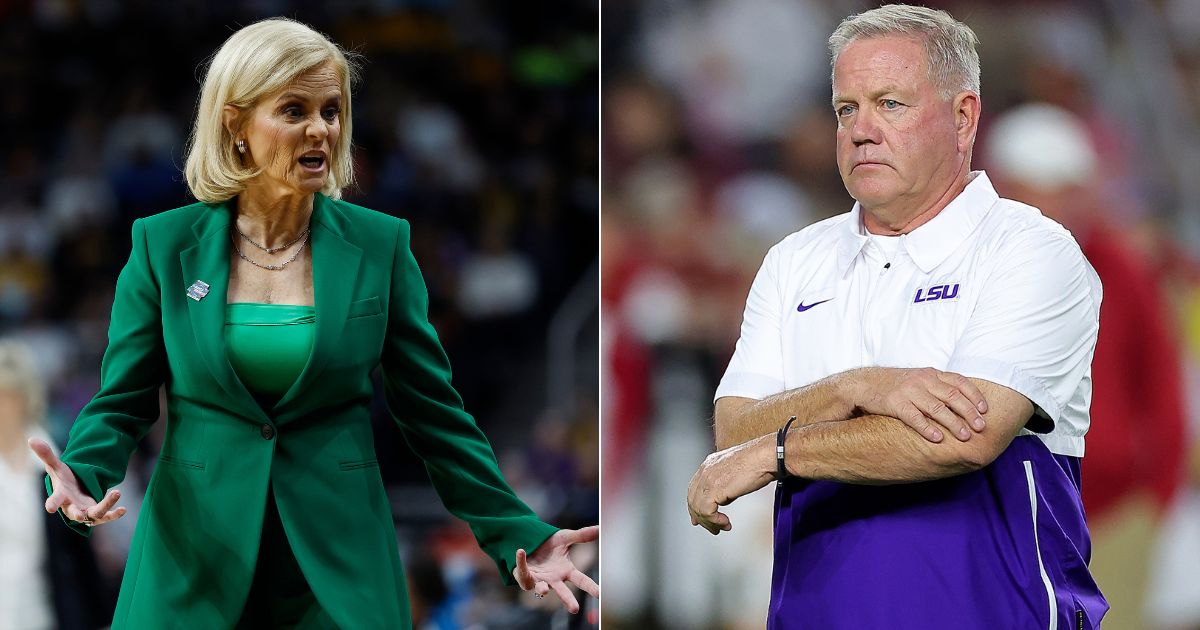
[{"x": 198, "y": 290}]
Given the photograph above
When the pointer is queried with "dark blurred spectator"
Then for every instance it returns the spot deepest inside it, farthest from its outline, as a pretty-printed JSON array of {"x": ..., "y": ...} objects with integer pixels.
[
  {"x": 25, "y": 246},
  {"x": 428, "y": 597},
  {"x": 1042, "y": 155},
  {"x": 141, "y": 131},
  {"x": 739, "y": 66},
  {"x": 804, "y": 157},
  {"x": 761, "y": 208},
  {"x": 496, "y": 280},
  {"x": 433, "y": 136},
  {"x": 641, "y": 121}
]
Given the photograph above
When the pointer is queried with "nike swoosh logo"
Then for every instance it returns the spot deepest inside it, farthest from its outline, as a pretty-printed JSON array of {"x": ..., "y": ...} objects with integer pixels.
[{"x": 802, "y": 307}]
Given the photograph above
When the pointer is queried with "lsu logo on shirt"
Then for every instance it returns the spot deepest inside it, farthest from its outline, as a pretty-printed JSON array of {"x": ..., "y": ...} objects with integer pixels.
[{"x": 936, "y": 292}]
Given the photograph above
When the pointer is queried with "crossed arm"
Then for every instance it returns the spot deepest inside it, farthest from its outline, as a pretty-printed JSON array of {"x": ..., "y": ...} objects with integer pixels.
[
  {"x": 928, "y": 400},
  {"x": 864, "y": 449}
]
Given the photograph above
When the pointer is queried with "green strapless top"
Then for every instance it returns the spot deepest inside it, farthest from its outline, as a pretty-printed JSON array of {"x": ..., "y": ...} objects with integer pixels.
[{"x": 268, "y": 345}]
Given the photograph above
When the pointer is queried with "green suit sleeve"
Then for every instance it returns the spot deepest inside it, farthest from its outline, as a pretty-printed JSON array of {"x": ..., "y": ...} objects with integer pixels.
[
  {"x": 122, "y": 411},
  {"x": 457, "y": 456}
]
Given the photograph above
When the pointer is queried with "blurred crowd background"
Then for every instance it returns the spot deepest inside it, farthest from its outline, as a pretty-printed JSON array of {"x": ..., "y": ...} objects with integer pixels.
[
  {"x": 718, "y": 140},
  {"x": 476, "y": 121}
]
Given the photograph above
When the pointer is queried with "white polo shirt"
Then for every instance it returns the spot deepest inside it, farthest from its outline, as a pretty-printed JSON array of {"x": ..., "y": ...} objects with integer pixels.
[{"x": 989, "y": 288}]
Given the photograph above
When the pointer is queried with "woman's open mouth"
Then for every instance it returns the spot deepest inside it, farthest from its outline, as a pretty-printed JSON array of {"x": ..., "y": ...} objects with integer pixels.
[{"x": 313, "y": 163}]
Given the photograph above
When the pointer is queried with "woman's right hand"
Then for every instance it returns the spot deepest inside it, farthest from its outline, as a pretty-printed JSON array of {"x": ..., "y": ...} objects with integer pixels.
[{"x": 76, "y": 504}]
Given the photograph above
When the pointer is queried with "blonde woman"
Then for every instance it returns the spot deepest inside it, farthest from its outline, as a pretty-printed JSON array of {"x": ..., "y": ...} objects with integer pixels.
[
  {"x": 48, "y": 576},
  {"x": 264, "y": 309}
]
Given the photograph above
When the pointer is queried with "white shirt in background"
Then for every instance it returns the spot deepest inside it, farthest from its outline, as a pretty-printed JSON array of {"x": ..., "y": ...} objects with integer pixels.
[{"x": 24, "y": 592}]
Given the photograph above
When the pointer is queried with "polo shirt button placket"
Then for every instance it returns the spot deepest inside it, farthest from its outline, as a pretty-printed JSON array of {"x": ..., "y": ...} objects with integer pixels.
[{"x": 868, "y": 318}]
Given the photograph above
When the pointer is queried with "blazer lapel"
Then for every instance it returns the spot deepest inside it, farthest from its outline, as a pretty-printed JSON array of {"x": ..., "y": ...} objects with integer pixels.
[
  {"x": 208, "y": 261},
  {"x": 335, "y": 264}
]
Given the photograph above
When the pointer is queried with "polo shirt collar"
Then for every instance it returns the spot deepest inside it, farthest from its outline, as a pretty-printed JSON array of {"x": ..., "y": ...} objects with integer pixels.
[
  {"x": 931, "y": 243},
  {"x": 852, "y": 240}
]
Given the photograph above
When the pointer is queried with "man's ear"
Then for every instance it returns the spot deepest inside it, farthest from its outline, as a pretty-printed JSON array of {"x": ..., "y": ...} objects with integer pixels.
[{"x": 966, "y": 119}]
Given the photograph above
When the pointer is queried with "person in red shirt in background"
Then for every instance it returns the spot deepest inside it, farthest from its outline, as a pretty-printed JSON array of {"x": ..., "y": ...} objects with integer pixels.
[{"x": 1042, "y": 155}]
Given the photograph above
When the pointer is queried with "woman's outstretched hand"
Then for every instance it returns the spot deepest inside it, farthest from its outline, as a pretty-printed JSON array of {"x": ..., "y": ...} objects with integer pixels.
[
  {"x": 75, "y": 503},
  {"x": 550, "y": 567}
]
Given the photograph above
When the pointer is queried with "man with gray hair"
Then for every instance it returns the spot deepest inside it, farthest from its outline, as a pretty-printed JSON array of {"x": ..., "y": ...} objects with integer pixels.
[{"x": 915, "y": 373}]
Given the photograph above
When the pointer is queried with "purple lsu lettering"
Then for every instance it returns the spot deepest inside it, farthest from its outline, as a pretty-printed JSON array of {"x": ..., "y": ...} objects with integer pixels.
[{"x": 937, "y": 292}]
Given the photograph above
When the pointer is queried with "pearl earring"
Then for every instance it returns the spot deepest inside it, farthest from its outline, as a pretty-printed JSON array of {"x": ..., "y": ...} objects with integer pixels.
[{"x": 241, "y": 146}]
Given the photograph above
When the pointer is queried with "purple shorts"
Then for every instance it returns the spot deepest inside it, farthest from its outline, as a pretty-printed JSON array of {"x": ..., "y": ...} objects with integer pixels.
[{"x": 1003, "y": 547}]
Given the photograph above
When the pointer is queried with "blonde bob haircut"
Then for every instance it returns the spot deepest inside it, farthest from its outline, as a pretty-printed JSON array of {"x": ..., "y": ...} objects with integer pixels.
[{"x": 258, "y": 60}]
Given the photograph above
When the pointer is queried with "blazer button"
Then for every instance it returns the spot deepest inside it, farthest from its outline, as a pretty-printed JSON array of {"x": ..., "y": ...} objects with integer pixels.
[{"x": 268, "y": 431}]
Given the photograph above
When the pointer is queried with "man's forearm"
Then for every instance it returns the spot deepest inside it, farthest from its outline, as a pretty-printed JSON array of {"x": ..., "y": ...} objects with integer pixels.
[
  {"x": 827, "y": 400},
  {"x": 877, "y": 450}
]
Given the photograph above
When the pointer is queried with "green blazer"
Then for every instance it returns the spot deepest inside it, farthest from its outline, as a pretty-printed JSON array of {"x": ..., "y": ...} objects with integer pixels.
[{"x": 196, "y": 543}]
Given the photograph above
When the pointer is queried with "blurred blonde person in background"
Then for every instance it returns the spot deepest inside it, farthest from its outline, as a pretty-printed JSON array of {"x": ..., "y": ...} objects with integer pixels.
[
  {"x": 24, "y": 589},
  {"x": 47, "y": 580}
]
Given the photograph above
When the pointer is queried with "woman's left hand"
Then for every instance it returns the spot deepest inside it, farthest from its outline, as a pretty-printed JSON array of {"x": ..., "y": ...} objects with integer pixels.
[{"x": 550, "y": 567}]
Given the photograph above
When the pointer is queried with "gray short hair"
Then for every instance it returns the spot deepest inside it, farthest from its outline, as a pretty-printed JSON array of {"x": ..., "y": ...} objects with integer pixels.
[{"x": 949, "y": 44}]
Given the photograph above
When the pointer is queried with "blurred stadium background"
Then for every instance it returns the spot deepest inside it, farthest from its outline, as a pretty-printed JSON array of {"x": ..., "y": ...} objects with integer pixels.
[
  {"x": 476, "y": 121},
  {"x": 718, "y": 140}
]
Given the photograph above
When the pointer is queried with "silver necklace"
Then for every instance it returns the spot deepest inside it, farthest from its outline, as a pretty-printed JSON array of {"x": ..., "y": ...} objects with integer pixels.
[
  {"x": 273, "y": 267},
  {"x": 271, "y": 250}
]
